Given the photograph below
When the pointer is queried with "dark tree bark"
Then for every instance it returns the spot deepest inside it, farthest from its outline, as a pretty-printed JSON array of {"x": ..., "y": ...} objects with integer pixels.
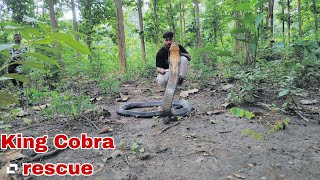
[
  {"x": 121, "y": 37},
  {"x": 181, "y": 24}
]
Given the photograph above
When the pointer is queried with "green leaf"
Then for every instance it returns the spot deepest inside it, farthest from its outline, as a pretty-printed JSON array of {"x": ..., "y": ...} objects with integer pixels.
[
  {"x": 70, "y": 41},
  {"x": 4, "y": 126},
  {"x": 134, "y": 147},
  {"x": 258, "y": 20},
  {"x": 243, "y": 7},
  {"x": 6, "y": 46},
  {"x": 27, "y": 121},
  {"x": 249, "y": 115},
  {"x": 33, "y": 64},
  {"x": 141, "y": 150},
  {"x": 7, "y": 99},
  {"x": 17, "y": 77},
  {"x": 44, "y": 27},
  {"x": 42, "y": 58},
  {"x": 48, "y": 49},
  {"x": 8, "y": 27},
  {"x": 5, "y": 78},
  {"x": 283, "y": 92},
  {"x": 46, "y": 40}
]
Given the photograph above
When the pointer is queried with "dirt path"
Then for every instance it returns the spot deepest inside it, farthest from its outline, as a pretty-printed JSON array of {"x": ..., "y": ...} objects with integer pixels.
[{"x": 202, "y": 146}]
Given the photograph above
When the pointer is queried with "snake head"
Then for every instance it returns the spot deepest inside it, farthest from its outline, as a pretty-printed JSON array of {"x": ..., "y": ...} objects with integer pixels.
[{"x": 174, "y": 48}]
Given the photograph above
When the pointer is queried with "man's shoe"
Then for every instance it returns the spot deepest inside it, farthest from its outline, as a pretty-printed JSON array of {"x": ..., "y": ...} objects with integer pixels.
[{"x": 180, "y": 81}]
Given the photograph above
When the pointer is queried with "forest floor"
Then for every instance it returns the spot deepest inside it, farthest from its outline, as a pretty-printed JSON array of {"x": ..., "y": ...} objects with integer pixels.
[{"x": 206, "y": 144}]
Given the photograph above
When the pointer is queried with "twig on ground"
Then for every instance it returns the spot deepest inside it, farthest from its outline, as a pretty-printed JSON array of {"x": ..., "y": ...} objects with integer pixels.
[
  {"x": 301, "y": 115},
  {"x": 42, "y": 156},
  {"x": 91, "y": 122},
  {"x": 175, "y": 124}
]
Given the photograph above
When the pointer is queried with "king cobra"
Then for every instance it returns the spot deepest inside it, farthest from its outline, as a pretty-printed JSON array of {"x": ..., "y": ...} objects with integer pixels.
[{"x": 181, "y": 107}]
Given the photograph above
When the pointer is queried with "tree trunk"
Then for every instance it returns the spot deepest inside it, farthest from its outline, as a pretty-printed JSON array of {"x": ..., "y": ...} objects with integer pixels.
[
  {"x": 288, "y": 6},
  {"x": 74, "y": 19},
  {"x": 236, "y": 16},
  {"x": 282, "y": 22},
  {"x": 184, "y": 22},
  {"x": 143, "y": 49},
  {"x": 53, "y": 21},
  {"x": 121, "y": 38},
  {"x": 315, "y": 19},
  {"x": 270, "y": 16},
  {"x": 181, "y": 24},
  {"x": 172, "y": 22},
  {"x": 196, "y": 9},
  {"x": 299, "y": 18},
  {"x": 156, "y": 25}
]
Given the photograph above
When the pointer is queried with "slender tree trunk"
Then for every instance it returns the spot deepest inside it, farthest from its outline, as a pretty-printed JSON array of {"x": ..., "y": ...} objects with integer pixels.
[
  {"x": 299, "y": 18},
  {"x": 121, "y": 37},
  {"x": 288, "y": 8},
  {"x": 315, "y": 12},
  {"x": 143, "y": 49},
  {"x": 53, "y": 19},
  {"x": 181, "y": 24},
  {"x": 282, "y": 22},
  {"x": 172, "y": 22},
  {"x": 236, "y": 16},
  {"x": 270, "y": 16},
  {"x": 74, "y": 19},
  {"x": 184, "y": 22},
  {"x": 156, "y": 24},
  {"x": 196, "y": 8}
]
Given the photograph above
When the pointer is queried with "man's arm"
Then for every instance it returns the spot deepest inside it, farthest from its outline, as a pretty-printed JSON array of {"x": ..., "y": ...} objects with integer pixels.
[
  {"x": 161, "y": 70},
  {"x": 184, "y": 52}
]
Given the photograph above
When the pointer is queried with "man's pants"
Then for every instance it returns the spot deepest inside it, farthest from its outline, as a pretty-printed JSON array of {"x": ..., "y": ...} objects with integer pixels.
[
  {"x": 162, "y": 80},
  {"x": 12, "y": 69}
]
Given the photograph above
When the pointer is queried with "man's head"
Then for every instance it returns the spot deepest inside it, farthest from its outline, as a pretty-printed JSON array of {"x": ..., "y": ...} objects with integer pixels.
[
  {"x": 17, "y": 38},
  {"x": 168, "y": 38}
]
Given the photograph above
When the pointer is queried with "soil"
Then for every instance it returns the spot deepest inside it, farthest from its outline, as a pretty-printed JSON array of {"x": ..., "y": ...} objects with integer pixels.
[{"x": 202, "y": 145}]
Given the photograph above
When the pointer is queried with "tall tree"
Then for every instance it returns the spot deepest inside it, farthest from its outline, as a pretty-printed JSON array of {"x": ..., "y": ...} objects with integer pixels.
[
  {"x": 198, "y": 36},
  {"x": 121, "y": 37},
  {"x": 299, "y": 18},
  {"x": 181, "y": 24},
  {"x": 270, "y": 15},
  {"x": 156, "y": 24},
  {"x": 143, "y": 49},
  {"x": 288, "y": 20},
  {"x": 74, "y": 19},
  {"x": 315, "y": 12},
  {"x": 53, "y": 19},
  {"x": 171, "y": 17},
  {"x": 20, "y": 8}
]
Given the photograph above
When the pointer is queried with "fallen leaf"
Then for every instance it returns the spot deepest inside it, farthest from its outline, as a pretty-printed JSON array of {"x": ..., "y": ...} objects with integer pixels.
[
  {"x": 241, "y": 176},
  {"x": 229, "y": 177},
  {"x": 105, "y": 130},
  {"x": 12, "y": 155},
  {"x": 3, "y": 171},
  {"x": 187, "y": 93},
  {"x": 308, "y": 102},
  {"x": 123, "y": 98},
  {"x": 40, "y": 107},
  {"x": 226, "y": 87},
  {"x": 98, "y": 167},
  {"x": 21, "y": 113}
]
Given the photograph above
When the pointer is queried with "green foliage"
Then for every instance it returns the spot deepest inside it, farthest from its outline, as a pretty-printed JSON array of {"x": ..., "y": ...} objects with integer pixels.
[
  {"x": 280, "y": 125},
  {"x": 241, "y": 113},
  {"x": 67, "y": 105},
  {"x": 253, "y": 133}
]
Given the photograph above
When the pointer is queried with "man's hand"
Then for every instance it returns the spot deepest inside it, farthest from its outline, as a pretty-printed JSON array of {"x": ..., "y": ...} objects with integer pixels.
[{"x": 161, "y": 71}]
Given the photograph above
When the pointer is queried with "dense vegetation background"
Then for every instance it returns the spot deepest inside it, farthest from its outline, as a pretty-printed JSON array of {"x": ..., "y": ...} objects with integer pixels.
[{"x": 265, "y": 44}]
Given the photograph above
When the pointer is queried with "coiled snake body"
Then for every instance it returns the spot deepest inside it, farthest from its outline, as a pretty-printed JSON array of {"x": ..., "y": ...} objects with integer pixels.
[{"x": 181, "y": 106}]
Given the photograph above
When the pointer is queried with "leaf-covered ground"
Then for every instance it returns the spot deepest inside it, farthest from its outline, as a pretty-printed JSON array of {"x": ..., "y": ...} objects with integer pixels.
[{"x": 207, "y": 144}]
